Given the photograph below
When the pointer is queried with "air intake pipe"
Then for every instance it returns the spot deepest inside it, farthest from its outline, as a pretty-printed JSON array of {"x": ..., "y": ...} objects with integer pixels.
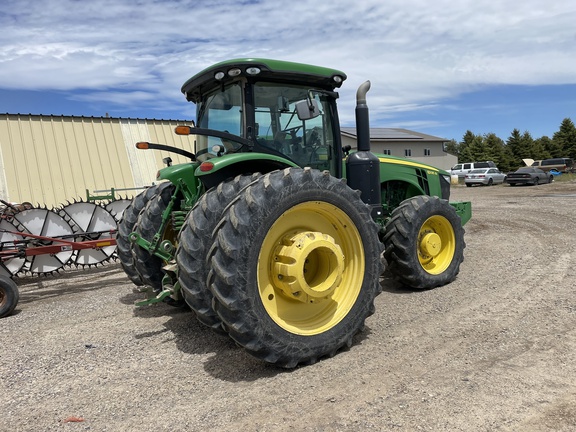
[{"x": 362, "y": 166}]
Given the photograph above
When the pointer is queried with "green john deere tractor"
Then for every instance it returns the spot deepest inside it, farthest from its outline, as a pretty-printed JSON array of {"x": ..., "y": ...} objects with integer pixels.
[{"x": 273, "y": 233}]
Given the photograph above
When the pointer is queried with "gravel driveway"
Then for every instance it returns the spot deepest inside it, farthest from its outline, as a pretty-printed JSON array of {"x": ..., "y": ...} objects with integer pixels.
[{"x": 493, "y": 351}]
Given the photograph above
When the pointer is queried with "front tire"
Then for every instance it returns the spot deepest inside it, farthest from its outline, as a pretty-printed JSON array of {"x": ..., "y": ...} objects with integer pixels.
[
  {"x": 9, "y": 296},
  {"x": 424, "y": 242},
  {"x": 194, "y": 242},
  {"x": 126, "y": 227},
  {"x": 149, "y": 266},
  {"x": 295, "y": 267}
]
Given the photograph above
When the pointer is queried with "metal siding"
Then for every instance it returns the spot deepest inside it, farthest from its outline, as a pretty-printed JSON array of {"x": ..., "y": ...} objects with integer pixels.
[{"x": 49, "y": 160}]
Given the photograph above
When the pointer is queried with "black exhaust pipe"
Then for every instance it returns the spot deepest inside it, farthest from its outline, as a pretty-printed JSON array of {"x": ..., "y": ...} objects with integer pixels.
[
  {"x": 362, "y": 166},
  {"x": 362, "y": 118}
]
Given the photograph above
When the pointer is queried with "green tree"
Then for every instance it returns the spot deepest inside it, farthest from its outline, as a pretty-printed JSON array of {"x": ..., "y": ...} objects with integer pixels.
[
  {"x": 514, "y": 144},
  {"x": 495, "y": 151},
  {"x": 509, "y": 164},
  {"x": 453, "y": 147},
  {"x": 527, "y": 145},
  {"x": 477, "y": 149},
  {"x": 539, "y": 151},
  {"x": 464, "y": 154},
  {"x": 552, "y": 148},
  {"x": 565, "y": 138}
]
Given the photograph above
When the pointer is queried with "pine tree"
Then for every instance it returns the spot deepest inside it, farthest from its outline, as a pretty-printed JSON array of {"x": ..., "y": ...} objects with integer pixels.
[
  {"x": 495, "y": 152},
  {"x": 515, "y": 144},
  {"x": 539, "y": 151},
  {"x": 453, "y": 147},
  {"x": 565, "y": 138},
  {"x": 550, "y": 148},
  {"x": 464, "y": 154}
]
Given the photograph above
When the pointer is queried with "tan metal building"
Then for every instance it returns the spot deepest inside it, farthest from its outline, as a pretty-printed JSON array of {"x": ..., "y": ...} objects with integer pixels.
[{"x": 49, "y": 160}]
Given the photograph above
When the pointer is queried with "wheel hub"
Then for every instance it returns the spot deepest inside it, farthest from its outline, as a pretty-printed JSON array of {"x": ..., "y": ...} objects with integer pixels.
[
  {"x": 308, "y": 266},
  {"x": 431, "y": 244}
]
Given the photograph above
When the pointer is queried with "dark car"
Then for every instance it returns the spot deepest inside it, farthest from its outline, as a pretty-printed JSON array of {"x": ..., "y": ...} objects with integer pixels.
[{"x": 529, "y": 175}]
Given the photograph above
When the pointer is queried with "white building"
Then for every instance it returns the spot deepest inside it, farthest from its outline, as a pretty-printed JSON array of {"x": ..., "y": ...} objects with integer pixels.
[{"x": 417, "y": 146}]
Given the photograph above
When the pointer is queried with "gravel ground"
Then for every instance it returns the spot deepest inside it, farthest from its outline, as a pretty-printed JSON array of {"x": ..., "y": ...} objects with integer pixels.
[{"x": 492, "y": 351}]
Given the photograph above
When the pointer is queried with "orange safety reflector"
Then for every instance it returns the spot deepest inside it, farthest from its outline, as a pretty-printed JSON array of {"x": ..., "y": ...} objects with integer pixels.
[
  {"x": 206, "y": 166},
  {"x": 182, "y": 130},
  {"x": 142, "y": 145},
  {"x": 104, "y": 243}
]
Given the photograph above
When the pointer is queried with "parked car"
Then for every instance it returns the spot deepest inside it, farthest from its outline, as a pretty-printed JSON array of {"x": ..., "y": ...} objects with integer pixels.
[
  {"x": 462, "y": 169},
  {"x": 529, "y": 175},
  {"x": 558, "y": 164},
  {"x": 484, "y": 176}
]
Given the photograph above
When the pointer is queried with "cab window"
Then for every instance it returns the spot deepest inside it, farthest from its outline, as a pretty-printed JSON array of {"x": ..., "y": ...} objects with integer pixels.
[{"x": 279, "y": 129}]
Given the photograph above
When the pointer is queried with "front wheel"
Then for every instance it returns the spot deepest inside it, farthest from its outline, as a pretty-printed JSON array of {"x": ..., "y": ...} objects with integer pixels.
[
  {"x": 424, "y": 242},
  {"x": 125, "y": 228},
  {"x": 295, "y": 266},
  {"x": 150, "y": 220},
  {"x": 9, "y": 296}
]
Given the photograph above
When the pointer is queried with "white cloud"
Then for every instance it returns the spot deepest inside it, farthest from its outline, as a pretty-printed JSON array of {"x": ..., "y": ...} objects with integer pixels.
[{"x": 415, "y": 52}]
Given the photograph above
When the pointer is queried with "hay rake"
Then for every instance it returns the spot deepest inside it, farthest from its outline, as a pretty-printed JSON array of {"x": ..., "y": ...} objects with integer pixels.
[{"x": 41, "y": 241}]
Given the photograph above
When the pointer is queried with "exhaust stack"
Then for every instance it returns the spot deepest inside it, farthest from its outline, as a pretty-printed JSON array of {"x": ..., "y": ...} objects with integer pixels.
[
  {"x": 362, "y": 166},
  {"x": 362, "y": 118}
]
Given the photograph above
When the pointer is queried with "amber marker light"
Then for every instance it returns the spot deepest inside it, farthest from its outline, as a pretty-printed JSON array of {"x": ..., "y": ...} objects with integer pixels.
[
  {"x": 183, "y": 130},
  {"x": 206, "y": 166},
  {"x": 142, "y": 145}
]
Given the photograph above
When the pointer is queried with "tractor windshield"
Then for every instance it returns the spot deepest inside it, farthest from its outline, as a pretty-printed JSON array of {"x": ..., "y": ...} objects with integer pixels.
[
  {"x": 220, "y": 110},
  {"x": 308, "y": 142}
]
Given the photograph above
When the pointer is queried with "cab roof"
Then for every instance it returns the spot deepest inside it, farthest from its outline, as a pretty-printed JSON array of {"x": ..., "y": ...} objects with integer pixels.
[{"x": 261, "y": 69}]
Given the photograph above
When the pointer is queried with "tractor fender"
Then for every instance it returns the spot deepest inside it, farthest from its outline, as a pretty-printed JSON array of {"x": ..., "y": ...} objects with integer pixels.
[
  {"x": 184, "y": 175},
  {"x": 218, "y": 169}
]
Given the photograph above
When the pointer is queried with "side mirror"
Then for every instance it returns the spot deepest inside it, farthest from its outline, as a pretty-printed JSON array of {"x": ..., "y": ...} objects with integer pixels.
[{"x": 307, "y": 109}]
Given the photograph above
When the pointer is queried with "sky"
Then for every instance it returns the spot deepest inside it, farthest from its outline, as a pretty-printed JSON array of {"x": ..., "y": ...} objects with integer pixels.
[{"x": 438, "y": 67}]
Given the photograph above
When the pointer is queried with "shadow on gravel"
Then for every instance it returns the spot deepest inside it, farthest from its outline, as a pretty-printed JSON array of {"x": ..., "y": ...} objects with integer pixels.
[
  {"x": 227, "y": 361},
  {"x": 33, "y": 288},
  {"x": 390, "y": 285}
]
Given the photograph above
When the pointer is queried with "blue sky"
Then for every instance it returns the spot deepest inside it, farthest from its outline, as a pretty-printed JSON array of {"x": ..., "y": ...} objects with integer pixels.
[{"x": 441, "y": 67}]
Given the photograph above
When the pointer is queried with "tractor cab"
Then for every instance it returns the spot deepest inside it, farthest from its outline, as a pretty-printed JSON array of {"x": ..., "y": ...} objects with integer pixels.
[{"x": 282, "y": 109}]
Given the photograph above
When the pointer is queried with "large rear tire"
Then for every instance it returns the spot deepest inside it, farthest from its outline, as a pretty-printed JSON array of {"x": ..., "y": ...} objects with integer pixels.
[
  {"x": 295, "y": 267},
  {"x": 126, "y": 227},
  {"x": 424, "y": 242},
  {"x": 9, "y": 296},
  {"x": 149, "y": 266},
  {"x": 194, "y": 242}
]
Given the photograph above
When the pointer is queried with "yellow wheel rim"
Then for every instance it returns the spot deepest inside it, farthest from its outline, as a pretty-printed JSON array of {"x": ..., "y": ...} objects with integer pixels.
[
  {"x": 310, "y": 268},
  {"x": 436, "y": 244}
]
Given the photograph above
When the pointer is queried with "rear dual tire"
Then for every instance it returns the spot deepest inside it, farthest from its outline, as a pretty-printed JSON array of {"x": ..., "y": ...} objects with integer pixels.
[
  {"x": 295, "y": 267},
  {"x": 196, "y": 240}
]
